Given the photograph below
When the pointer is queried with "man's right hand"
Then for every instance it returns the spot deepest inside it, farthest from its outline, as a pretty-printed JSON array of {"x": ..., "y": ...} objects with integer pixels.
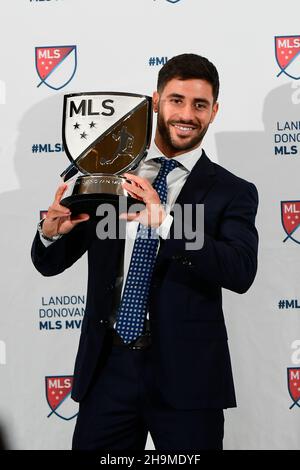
[{"x": 59, "y": 219}]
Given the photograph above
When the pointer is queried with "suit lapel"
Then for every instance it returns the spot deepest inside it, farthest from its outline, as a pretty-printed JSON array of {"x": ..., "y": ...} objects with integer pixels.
[
  {"x": 198, "y": 182},
  {"x": 197, "y": 185}
]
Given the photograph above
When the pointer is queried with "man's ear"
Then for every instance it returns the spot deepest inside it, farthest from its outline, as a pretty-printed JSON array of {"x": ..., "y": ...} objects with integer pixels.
[
  {"x": 155, "y": 101},
  {"x": 214, "y": 111}
]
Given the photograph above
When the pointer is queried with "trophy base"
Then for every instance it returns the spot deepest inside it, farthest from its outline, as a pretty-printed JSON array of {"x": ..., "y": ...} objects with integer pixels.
[{"x": 86, "y": 193}]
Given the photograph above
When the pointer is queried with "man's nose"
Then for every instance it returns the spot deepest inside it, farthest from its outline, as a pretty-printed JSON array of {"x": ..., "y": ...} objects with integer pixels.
[{"x": 187, "y": 112}]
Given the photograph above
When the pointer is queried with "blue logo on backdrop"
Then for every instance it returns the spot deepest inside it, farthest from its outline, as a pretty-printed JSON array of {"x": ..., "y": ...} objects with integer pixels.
[{"x": 47, "y": 148}]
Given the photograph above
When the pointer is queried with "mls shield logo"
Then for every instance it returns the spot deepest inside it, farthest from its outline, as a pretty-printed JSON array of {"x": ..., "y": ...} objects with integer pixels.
[
  {"x": 290, "y": 218},
  {"x": 106, "y": 132},
  {"x": 58, "y": 394},
  {"x": 294, "y": 385},
  {"x": 55, "y": 66},
  {"x": 287, "y": 51}
]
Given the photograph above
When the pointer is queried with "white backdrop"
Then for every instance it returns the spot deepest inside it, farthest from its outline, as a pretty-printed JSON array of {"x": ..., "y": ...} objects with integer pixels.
[{"x": 120, "y": 46}]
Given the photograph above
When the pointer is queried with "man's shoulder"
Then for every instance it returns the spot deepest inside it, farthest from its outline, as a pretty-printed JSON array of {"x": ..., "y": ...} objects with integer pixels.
[{"x": 231, "y": 181}]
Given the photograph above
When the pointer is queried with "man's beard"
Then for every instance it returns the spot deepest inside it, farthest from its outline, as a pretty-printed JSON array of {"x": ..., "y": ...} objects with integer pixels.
[{"x": 167, "y": 138}]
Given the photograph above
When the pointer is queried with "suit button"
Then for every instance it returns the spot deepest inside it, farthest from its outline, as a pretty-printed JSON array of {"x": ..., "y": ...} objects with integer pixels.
[
  {"x": 103, "y": 321},
  {"x": 186, "y": 262},
  {"x": 110, "y": 287}
]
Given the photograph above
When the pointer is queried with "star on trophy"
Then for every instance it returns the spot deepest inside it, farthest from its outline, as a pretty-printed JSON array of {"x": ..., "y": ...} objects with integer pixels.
[{"x": 105, "y": 134}]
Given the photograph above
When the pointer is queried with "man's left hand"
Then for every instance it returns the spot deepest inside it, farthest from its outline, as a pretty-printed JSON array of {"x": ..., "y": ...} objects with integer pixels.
[{"x": 140, "y": 188}]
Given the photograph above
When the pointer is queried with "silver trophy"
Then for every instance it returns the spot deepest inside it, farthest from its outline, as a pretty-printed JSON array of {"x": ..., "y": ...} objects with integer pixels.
[{"x": 104, "y": 134}]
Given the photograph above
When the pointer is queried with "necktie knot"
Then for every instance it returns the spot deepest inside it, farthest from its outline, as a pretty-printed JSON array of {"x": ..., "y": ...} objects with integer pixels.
[{"x": 167, "y": 164}]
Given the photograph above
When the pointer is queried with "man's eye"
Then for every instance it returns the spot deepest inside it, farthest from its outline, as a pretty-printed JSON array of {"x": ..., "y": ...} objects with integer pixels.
[{"x": 175, "y": 100}]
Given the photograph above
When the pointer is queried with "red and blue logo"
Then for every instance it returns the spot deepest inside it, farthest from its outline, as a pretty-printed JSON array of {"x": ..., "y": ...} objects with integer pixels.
[
  {"x": 290, "y": 219},
  {"x": 287, "y": 52},
  {"x": 55, "y": 65},
  {"x": 294, "y": 385},
  {"x": 58, "y": 395}
]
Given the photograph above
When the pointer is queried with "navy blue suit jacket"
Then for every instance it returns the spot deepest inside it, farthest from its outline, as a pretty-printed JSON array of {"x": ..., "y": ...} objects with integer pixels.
[{"x": 185, "y": 305}]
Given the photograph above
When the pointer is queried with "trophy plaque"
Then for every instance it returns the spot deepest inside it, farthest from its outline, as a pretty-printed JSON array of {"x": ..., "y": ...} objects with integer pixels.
[{"x": 105, "y": 134}]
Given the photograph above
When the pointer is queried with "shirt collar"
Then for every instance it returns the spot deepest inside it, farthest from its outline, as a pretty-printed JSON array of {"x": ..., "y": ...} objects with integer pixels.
[{"x": 187, "y": 160}]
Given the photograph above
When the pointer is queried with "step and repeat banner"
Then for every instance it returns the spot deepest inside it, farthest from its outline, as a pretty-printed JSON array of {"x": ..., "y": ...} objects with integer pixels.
[{"x": 53, "y": 47}]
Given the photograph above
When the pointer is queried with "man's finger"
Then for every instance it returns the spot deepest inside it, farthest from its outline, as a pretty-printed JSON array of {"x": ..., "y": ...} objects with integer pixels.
[
  {"x": 80, "y": 218},
  {"x": 138, "y": 179},
  {"x": 58, "y": 211},
  {"x": 133, "y": 191},
  {"x": 59, "y": 193},
  {"x": 129, "y": 216}
]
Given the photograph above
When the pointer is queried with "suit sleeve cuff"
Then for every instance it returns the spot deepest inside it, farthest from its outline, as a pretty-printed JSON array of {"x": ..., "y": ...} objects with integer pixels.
[{"x": 45, "y": 242}]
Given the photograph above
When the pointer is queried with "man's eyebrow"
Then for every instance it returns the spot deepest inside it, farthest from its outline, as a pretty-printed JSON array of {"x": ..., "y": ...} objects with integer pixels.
[
  {"x": 175, "y": 95},
  {"x": 202, "y": 100},
  {"x": 196, "y": 100}
]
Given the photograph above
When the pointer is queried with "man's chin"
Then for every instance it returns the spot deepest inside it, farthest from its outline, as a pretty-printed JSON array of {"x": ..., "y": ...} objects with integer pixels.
[{"x": 187, "y": 145}]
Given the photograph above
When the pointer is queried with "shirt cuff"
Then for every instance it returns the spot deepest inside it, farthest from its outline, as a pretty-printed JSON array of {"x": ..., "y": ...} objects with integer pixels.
[
  {"x": 45, "y": 242},
  {"x": 164, "y": 228}
]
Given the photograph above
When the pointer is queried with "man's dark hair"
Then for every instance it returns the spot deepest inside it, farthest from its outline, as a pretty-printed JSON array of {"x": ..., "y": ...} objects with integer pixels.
[{"x": 187, "y": 66}]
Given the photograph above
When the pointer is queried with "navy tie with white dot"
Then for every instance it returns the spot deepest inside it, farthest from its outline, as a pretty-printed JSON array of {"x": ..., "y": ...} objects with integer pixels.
[{"x": 134, "y": 304}]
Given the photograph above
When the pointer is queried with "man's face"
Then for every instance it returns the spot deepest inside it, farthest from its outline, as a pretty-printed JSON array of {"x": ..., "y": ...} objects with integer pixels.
[{"x": 185, "y": 109}]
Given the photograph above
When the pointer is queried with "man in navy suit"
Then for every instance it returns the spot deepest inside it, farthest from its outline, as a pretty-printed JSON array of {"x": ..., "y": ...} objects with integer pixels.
[{"x": 173, "y": 378}]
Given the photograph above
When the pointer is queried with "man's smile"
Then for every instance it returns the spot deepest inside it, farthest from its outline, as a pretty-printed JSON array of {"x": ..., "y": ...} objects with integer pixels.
[{"x": 183, "y": 129}]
